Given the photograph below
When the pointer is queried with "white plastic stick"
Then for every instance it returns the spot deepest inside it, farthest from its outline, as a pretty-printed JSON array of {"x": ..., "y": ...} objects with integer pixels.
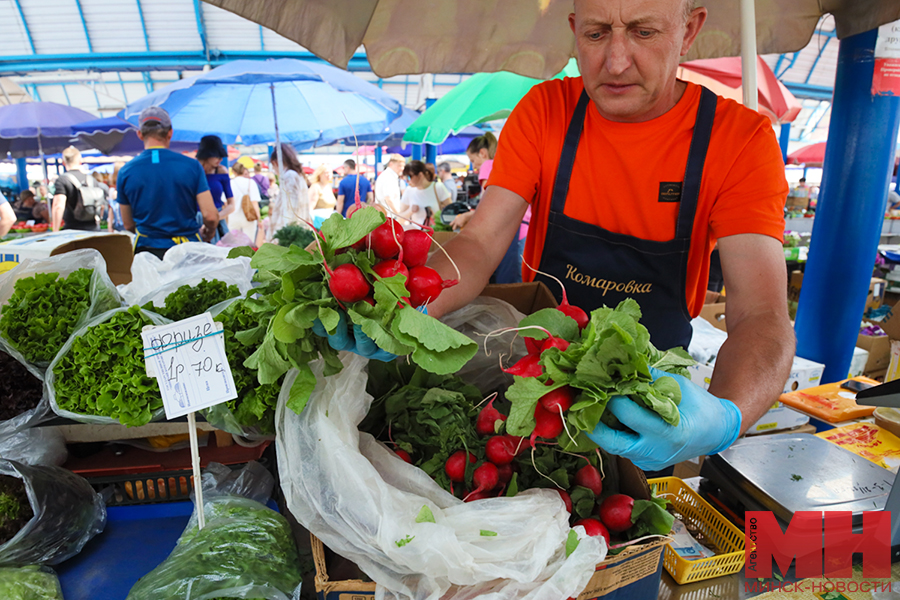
[{"x": 195, "y": 465}]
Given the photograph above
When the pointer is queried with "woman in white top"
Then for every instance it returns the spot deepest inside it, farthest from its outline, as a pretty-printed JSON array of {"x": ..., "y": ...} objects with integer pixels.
[
  {"x": 321, "y": 194},
  {"x": 291, "y": 206},
  {"x": 242, "y": 185},
  {"x": 422, "y": 194}
]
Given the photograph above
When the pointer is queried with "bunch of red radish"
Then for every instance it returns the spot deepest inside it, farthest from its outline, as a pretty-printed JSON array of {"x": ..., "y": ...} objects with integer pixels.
[{"x": 399, "y": 251}]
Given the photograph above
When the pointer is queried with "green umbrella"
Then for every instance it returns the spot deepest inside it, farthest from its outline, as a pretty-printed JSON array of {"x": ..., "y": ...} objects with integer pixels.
[{"x": 482, "y": 97}]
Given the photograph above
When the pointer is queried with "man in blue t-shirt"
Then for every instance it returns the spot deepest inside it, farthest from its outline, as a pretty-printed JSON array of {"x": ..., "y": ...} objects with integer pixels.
[
  {"x": 161, "y": 191},
  {"x": 347, "y": 188}
]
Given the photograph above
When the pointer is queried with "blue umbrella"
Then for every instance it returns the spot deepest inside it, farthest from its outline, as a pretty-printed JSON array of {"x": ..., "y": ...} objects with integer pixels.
[
  {"x": 38, "y": 128},
  {"x": 239, "y": 102},
  {"x": 117, "y": 137}
]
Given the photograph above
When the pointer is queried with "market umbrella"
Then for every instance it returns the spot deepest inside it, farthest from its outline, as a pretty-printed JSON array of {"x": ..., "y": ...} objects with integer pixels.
[
  {"x": 529, "y": 37},
  {"x": 480, "y": 98},
  {"x": 723, "y": 76},
  {"x": 811, "y": 156},
  {"x": 240, "y": 101},
  {"x": 117, "y": 137},
  {"x": 38, "y": 128}
]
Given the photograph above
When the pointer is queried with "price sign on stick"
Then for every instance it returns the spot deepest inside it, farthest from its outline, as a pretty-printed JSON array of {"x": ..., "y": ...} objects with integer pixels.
[{"x": 188, "y": 360}]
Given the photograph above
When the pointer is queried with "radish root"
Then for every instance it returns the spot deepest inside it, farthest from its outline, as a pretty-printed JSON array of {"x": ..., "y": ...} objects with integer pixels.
[
  {"x": 534, "y": 464},
  {"x": 640, "y": 539},
  {"x": 489, "y": 398},
  {"x": 565, "y": 299}
]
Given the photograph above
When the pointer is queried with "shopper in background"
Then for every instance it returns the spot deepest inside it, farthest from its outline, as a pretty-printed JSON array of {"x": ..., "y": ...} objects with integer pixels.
[
  {"x": 27, "y": 208},
  {"x": 161, "y": 191},
  {"x": 72, "y": 200},
  {"x": 352, "y": 181},
  {"x": 387, "y": 185},
  {"x": 246, "y": 216},
  {"x": 262, "y": 180},
  {"x": 210, "y": 155},
  {"x": 321, "y": 194},
  {"x": 446, "y": 176},
  {"x": 7, "y": 215},
  {"x": 424, "y": 197},
  {"x": 291, "y": 205}
]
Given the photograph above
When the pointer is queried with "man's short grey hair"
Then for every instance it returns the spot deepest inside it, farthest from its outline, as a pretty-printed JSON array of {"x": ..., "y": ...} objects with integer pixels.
[
  {"x": 689, "y": 6},
  {"x": 155, "y": 130},
  {"x": 444, "y": 166}
]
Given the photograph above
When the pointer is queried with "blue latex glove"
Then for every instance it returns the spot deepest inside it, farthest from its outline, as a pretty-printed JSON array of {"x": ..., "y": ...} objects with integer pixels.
[
  {"x": 360, "y": 343},
  {"x": 708, "y": 426}
]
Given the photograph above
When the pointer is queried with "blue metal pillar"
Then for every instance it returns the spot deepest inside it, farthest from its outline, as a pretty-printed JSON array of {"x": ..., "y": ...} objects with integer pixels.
[
  {"x": 21, "y": 175},
  {"x": 783, "y": 140},
  {"x": 859, "y": 160},
  {"x": 377, "y": 158},
  {"x": 430, "y": 149},
  {"x": 417, "y": 151}
]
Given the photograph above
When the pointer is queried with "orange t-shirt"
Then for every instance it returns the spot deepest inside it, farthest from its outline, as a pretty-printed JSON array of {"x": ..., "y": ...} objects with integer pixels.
[{"x": 616, "y": 179}]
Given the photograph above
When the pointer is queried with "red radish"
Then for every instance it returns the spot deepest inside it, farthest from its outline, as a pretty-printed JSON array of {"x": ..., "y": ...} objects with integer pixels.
[
  {"x": 455, "y": 467},
  {"x": 386, "y": 239},
  {"x": 403, "y": 454},
  {"x": 564, "y": 307},
  {"x": 476, "y": 496},
  {"x": 416, "y": 244},
  {"x": 615, "y": 512},
  {"x": 567, "y": 499},
  {"x": 501, "y": 449},
  {"x": 390, "y": 267},
  {"x": 369, "y": 300},
  {"x": 588, "y": 476},
  {"x": 533, "y": 345},
  {"x": 558, "y": 400},
  {"x": 529, "y": 366},
  {"x": 593, "y": 528},
  {"x": 485, "y": 478},
  {"x": 487, "y": 419},
  {"x": 547, "y": 424},
  {"x": 555, "y": 342},
  {"x": 361, "y": 244},
  {"x": 347, "y": 284},
  {"x": 425, "y": 285},
  {"x": 505, "y": 472}
]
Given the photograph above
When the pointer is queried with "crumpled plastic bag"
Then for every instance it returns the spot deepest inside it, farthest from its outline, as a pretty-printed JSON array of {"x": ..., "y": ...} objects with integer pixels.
[
  {"x": 67, "y": 513},
  {"x": 29, "y": 583},
  {"x": 362, "y": 501},
  {"x": 35, "y": 446},
  {"x": 706, "y": 341},
  {"x": 477, "y": 319},
  {"x": 893, "y": 594},
  {"x": 186, "y": 264},
  {"x": 246, "y": 550},
  {"x": 235, "y": 239},
  {"x": 104, "y": 295},
  {"x": 50, "y": 376}
]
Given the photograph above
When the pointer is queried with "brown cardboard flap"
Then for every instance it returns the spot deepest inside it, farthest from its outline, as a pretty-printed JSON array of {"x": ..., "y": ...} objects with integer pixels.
[
  {"x": 442, "y": 237},
  {"x": 715, "y": 314},
  {"x": 525, "y": 297},
  {"x": 891, "y": 323},
  {"x": 632, "y": 481},
  {"x": 879, "y": 349},
  {"x": 115, "y": 248}
]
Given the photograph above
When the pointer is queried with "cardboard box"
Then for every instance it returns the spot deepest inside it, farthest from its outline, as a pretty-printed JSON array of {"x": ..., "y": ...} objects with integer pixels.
[
  {"x": 715, "y": 314},
  {"x": 116, "y": 249},
  {"x": 794, "y": 285},
  {"x": 879, "y": 349},
  {"x": 875, "y": 299},
  {"x": 526, "y": 297},
  {"x": 442, "y": 237},
  {"x": 778, "y": 419},
  {"x": 858, "y": 362},
  {"x": 804, "y": 374}
]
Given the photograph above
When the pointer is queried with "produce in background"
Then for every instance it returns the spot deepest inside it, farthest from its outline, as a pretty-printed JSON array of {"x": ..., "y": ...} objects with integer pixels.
[
  {"x": 191, "y": 300},
  {"x": 245, "y": 550},
  {"x": 29, "y": 583},
  {"x": 103, "y": 373},
  {"x": 44, "y": 310},
  {"x": 15, "y": 509},
  {"x": 441, "y": 425},
  {"x": 243, "y": 331},
  {"x": 294, "y": 235},
  {"x": 341, "y": 275},
  {"x": 20, "y": 390}
]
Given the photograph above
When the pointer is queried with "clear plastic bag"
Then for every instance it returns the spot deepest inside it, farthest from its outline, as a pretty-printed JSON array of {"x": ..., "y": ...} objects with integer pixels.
[
  {"x": 29, "y": 583},
  {"x": 245, "y": 551},
  {"x": 477, "y": 319},
  {"x": 32, "y": 417},
  {"x": 35, "y": 446},
  {"x": 706, "y": 341},
  {"x": 50, "y": 376},
  {"x": 186, "y": 264},
  {"x": 67, "y": 513},
  {"x": 104, "y": 295},
  {"x": 362, "y": 501}
]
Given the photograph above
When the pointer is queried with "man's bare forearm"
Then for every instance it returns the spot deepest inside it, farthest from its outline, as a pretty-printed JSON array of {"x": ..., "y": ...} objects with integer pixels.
[
  {"x": 469, "y": 255},
  {"x": 753, "y": 364}
]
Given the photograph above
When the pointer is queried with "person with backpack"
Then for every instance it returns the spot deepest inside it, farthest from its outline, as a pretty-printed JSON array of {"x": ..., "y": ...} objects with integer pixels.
[{"x": 79, "y": 199}]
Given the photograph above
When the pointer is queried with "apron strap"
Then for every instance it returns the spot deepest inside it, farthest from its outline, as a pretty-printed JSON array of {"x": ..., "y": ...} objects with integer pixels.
[
  {"x": 567, "y": 158},
  {"x": 693, "y": 172}
]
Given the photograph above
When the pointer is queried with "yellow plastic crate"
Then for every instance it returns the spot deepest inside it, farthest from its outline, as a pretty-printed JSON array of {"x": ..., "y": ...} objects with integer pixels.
[{"x": 711, "y": 524}]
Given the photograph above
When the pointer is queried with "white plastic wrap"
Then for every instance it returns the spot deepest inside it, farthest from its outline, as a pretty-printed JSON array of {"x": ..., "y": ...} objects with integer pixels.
[
  {"x": 67, "y": 513},
  {"x": 477, "y": 319},
  {"x": 706, "y": 341},
  {"x": 362, "y": 501},
  {"x": 186, "y": 264},
  {"x": 35, "y": 446}
]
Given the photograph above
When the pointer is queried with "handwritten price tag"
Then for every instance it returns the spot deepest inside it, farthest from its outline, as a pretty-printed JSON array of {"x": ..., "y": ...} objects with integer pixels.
[{"x": 188, "y": 359}]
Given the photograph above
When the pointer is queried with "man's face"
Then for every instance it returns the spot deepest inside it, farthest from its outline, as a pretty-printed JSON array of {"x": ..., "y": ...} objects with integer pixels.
[
  {"x": 397, "y": 167},
  {"x": 628, "y": 51}
]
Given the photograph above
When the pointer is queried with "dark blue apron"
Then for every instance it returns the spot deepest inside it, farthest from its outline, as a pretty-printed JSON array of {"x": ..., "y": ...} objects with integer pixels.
[{"x": 600, "y": 267}]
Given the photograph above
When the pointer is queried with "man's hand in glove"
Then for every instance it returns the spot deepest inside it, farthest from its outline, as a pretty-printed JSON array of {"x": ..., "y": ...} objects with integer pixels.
[
  {"x": 358, "y": 343},
  {"x": 708, "y": 426}
]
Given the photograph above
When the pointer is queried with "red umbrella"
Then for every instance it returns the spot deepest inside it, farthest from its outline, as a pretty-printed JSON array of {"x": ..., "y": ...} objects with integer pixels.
[
  {"x": 723, "y": 76},
  {"x": 811, "y": 156}
]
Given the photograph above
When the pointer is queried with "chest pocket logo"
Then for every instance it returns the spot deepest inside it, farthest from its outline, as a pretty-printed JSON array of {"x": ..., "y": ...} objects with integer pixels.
[{"x": 670, "y": 191}]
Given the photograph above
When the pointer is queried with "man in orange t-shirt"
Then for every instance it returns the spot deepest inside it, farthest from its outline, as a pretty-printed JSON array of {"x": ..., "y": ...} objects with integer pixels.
[{"x": 633, "y": 177}]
